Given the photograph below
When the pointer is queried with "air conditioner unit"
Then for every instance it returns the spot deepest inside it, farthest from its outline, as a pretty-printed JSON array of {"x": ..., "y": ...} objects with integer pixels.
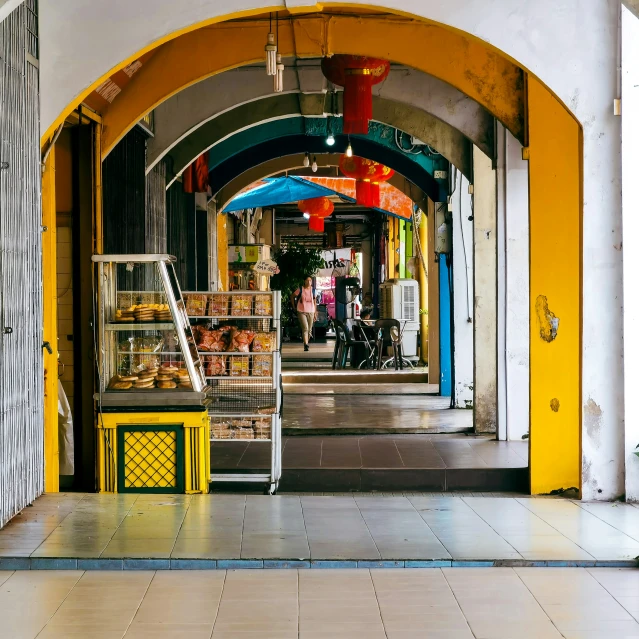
[{"x": 400, "y": 301}]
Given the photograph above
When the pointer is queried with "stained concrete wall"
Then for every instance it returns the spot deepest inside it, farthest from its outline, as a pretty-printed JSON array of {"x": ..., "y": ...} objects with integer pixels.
[
  {"x": 513, "y": 351},
  {"x": 463, "y": 285},
  {"x": 485, "y": 253}
]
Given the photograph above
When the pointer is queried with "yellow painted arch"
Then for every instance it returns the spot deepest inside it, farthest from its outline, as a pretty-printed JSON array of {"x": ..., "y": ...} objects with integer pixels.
[
  {"x": 522, "y": 103},
  {"x": 470, "y": 66}
]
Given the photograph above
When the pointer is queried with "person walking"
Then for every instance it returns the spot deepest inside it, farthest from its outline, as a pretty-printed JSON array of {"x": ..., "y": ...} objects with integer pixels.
[{"x": 303, "y": 301}]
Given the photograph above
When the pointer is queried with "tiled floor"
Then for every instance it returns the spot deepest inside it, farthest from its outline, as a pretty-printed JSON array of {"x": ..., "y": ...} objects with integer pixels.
[
  {"x": 322, "y": 413},
  {"x": 374, "y": 451},
  {"x": 449, "y": 603},
  {"x": 352, "y": 529}
]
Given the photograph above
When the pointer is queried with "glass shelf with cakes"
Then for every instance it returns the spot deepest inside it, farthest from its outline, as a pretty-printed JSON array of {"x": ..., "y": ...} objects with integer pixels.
[
  {"x": 147, "y": 355},
  {"x": 238, "y": 339}
]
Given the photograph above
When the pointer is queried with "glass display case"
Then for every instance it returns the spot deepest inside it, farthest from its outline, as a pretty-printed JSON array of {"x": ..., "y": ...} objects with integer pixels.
[{"x": 147, "y": 355}]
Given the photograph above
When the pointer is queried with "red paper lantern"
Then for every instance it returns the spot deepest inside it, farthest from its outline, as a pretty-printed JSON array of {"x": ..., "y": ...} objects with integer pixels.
[
  {"x": 357, "y": 74},
  {"x": 195, "y": 178},
  {"x": 317, "y": 208},
  {"x": 368, "y": 174}
]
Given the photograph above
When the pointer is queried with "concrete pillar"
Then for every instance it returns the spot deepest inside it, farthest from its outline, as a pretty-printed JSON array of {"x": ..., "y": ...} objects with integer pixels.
[
  {"x": 485, "y": 241},
  {"x": 463, "y": 347},
  {"x": 513, "y": 272},
  {"x": 630, "y": 207}
]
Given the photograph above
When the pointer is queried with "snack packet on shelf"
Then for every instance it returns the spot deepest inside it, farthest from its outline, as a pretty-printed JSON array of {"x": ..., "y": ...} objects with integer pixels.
[
  {"x": 218, "y": 305},
  {"x": 262, "y": 365},
  {"x": 196, "y": 304},
  {"x": 220, "y": 430},
  {"x": 241, "y": 305},
  {"x": 263, "y": 343},
  {"x": 263, "y": 305},
  {"x": 215, "y": 365},
  {"x": 262, "y": 428},
  {"x": 241, "y": 340},
  {"x": 238, "y": 366}
]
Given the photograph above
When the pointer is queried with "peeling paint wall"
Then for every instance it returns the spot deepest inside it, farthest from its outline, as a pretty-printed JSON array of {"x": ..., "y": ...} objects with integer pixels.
[
  {"x": 463, "y": 284},
  {"x": 485, "y": 298},
  {"x": 513, "y": 349}
]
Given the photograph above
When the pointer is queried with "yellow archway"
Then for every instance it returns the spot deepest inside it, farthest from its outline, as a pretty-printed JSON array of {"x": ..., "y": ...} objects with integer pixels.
[{"x": 553, "y": 145}]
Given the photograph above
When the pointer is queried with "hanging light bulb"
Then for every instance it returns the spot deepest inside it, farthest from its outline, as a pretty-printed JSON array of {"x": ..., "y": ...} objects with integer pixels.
[
  {"x": 307, "y": 160},
  {"x": 349, "y": 150},
  {"x": 314, "y": 165},
  {"x": 271, "y": 54},
  {"x": 330, "y": 140},
  {"x": 278, "y": 78},
  {"x": 306, "y": 215}
]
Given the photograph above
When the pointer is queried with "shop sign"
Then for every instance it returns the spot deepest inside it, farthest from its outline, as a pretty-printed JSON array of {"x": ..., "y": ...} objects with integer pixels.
[{"x": 267, "y": 267}]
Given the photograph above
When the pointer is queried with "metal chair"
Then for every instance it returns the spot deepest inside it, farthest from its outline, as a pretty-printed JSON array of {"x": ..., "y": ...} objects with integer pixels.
[{"x": 389, "y": 335}]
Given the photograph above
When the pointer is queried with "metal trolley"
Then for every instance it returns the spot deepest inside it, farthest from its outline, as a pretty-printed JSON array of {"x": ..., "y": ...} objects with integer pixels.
[{"x": 245, "y": 387}]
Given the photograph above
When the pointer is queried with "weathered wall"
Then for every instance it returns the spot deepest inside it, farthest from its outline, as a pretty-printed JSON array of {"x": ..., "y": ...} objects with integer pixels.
[
  {"x": 463, "y": 283},
  {"x": 485, "y": 268},
  {"x": 513, "y": 271}
]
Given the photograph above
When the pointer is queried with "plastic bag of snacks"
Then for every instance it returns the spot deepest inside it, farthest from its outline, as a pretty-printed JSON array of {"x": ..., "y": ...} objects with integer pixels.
[
  {"x": 196, "y": 304},
  {"x": 262, "y": 428},
  {"x": 238, "y": 366},
  {"x": 215, "y": 365},
  {"x": 218, "y": 305},
  {"x": 215, "y": 341},
  {"x": 262, "y": 365},
  {"x": 220, "y": 430},
  {"x": 241, "y": 305},
  {"x": 263, "y": 305},
  {"x": 263, "y": 343},
  {"x": 241, "y": 340}
]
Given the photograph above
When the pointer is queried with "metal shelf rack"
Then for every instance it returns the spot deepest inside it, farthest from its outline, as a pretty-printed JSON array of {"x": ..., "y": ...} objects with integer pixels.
[{"x": 242, "y": 404}]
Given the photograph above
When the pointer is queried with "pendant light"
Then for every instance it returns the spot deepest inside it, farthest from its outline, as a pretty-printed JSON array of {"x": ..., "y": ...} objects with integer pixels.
[
  {"x": 349, "y": 149},
  {"x": 314, "y": 165},
  {"x": 278, "y": 78},
  {"x": 330, "y": 140},
  {"x": 307, "y": 160},
  {"x": 271, "y": 50}
]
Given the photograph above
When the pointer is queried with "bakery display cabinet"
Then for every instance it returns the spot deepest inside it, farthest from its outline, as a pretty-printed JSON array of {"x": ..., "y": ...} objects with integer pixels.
[
  {"x": 238, "y": 339},
  {"x": 152, "y": 397}
]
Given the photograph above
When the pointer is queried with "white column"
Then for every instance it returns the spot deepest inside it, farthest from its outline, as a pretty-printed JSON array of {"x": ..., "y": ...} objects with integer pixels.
[
  {"x": 485, "y": 243},
  {"x": 630, "y": 213},
  {"x": 513, "y": 352},
  {"x": 463, "y": 348}
]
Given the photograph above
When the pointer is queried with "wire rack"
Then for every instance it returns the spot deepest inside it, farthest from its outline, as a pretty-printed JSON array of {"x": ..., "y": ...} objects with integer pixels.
[{"x": 238, "y": 339}]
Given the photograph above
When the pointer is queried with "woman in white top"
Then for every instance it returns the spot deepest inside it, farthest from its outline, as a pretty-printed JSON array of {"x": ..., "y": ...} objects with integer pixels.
[{"x": 303, "y": 301}]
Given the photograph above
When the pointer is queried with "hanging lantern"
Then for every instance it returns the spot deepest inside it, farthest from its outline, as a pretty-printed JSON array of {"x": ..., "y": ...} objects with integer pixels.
[
  {"x": 316, "y": 224},
  {"x": 367, "y": 174},
  {"x": 317, "y": 208},
  {"x": 357, "y": 74},
  {"x": 195, "y": 178}
]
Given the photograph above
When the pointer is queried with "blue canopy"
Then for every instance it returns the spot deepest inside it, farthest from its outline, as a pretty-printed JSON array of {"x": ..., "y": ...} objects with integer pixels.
[{"x": 280, "y": 191}]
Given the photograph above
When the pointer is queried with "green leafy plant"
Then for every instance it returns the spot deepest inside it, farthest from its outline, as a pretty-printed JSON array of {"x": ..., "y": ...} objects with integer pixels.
[{"x": 295, "y": 262}]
